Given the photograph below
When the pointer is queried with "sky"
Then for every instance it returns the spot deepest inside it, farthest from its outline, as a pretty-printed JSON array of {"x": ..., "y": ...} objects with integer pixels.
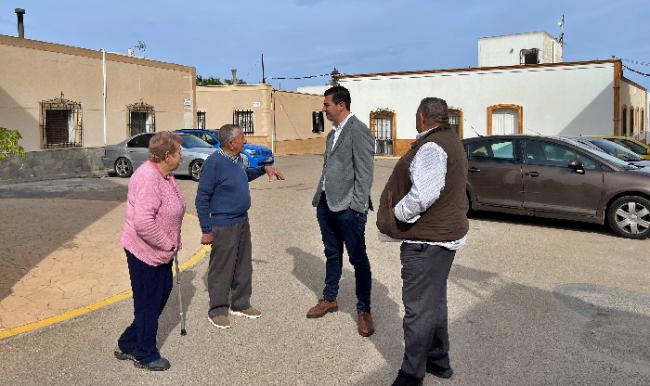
[{"x": 310, "y": 37}]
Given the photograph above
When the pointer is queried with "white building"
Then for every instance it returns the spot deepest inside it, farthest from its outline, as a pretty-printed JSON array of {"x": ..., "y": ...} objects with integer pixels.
[{"x": 503, "y": 96}]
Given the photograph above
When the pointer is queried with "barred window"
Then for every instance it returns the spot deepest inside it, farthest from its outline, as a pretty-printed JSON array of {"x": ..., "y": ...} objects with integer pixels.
[
  {"x": 244, "y": 119},
  {"x": 456, "y": 121},
  {"x": 61, "y": 122},
  {"x": 200, "y": 120},
  {"x": 141, "y": 118},
  {"x": 317, "y": 123}
]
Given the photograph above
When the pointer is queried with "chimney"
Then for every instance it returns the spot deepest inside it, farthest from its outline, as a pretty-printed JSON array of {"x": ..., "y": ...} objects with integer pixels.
[
  {"x": 234, "y": 76},
  {"x": 21, "y": 28}
]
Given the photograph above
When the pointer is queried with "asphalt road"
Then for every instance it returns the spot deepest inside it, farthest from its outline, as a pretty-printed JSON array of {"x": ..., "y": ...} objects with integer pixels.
[{"x": 531, "y": 302}]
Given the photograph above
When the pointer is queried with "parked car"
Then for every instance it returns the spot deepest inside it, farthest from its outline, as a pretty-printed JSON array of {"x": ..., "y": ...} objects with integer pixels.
[
  {"x": 124, "y": 157},
  {"x": 638, "y": 147},
  {"x": 613, "y": 149},
  {"x": 557, "y": 178},
  {"x": 255, "y": 156}
]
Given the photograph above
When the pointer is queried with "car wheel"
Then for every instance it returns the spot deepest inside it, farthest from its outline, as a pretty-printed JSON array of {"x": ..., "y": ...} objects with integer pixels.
[
  {"x": 123, "y": 167},
  {"x": 195, "y": 169},
  {"x": 629, "y": 216}
]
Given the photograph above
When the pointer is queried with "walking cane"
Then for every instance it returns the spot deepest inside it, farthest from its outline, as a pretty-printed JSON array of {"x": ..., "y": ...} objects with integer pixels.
[{"x": 180, "y": 296}]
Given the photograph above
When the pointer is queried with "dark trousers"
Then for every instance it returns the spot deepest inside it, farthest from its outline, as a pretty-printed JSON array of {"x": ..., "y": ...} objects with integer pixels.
[
  {"x": 425, "y": 269},
  {"x": 338, "y": 229},
  {"x": 230, "y": 273},
  {"x": 151, "y": 288}
]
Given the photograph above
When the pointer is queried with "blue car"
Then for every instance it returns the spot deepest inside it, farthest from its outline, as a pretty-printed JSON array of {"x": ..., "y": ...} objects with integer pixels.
[{"x": 255, "y": 156}]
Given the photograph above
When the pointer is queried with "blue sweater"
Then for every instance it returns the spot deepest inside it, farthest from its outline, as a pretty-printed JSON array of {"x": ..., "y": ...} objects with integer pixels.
[{"x": 223, "y": 197}]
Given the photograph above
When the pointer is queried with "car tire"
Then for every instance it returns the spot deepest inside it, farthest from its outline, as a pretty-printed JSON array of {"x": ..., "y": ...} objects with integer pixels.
[
  {"x": 123, "y": 167},
  {"x": 195, "y": 169},
  {"x": 629, "y": 216}
]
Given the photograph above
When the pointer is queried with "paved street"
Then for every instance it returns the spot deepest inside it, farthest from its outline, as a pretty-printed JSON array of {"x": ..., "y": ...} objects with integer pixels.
[{"x": 531, "y": 302}]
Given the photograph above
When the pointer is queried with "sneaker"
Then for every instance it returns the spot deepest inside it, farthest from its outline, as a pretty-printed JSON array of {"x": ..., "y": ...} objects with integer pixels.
[
  {"x": 249, "y": 313},
  {"x": 404, "y": 379},
  {"x": 160, "y": 364},
  {"x": 220, "y": 321},
  {"x": 440, "y": 372},
  {"x": 119, "y": 354},
  {"x": 323, "y": 307}
]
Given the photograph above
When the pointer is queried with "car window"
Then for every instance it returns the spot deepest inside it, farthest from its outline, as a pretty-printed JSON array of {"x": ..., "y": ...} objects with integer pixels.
[
  {"x": 191, "y": 142},
  {"x": 635, "y": 147},
  {"x": 552, "y": 154},
  {"x": 616, "y": 150},
  {"x": 140, "y": 141},
  {"x": 500, "y": 150},
  {"x": 208, "y": 138}
]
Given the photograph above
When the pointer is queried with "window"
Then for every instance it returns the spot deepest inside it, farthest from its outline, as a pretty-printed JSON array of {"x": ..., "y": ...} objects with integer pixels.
[
  {"x": 244, "y": 119},
  {"x": 61, "y": 122},
  {"x": 505, "y": 119},
  {"x": 631, "y": 113},
  {"x": 205, "y": 137},
  {"x": 529, "y": 56},
  {"x": 317, "y": 123},
  {"x": 503, "y": 150},
  {"x": 200, "y": 120},
  {"x": 382, "y": 125},
  {"x": 140, "y": 141},
  {"x": 551, "y": 154},
  {"x": 624, "y": 120},
  {"x": 642, "y": 121},
  {"x": 141, "y": 118},
  {"x": 456, "y": 121}
]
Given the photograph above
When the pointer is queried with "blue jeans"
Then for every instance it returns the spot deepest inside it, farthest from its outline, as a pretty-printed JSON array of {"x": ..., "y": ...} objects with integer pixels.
[
  {"x": 151, "y": 288},
  {"x": 338, "y": 229}
]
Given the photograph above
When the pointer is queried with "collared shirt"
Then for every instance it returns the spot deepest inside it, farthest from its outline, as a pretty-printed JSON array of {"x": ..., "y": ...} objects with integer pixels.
[
  {"x": 231, "y": 158},
  {"x": 428, "y": 170},
  {"x": 337, "y": 133}
]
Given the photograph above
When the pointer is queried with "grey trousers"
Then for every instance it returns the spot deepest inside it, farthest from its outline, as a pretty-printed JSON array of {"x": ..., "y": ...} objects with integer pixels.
[
  {"x": 231, "y": 269},
  {"x": 425, "y": 269}
]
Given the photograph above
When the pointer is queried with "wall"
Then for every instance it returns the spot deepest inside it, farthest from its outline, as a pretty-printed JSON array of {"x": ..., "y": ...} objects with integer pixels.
[
  {"x": 53, "y": 164},
  {"x": 634, "y": 96},
  {"x": 504, "y": 50},
  {"x": 34, "y": 71},
  {"x": 558, "y": 99},
  {"x": 293, "y": 123}
]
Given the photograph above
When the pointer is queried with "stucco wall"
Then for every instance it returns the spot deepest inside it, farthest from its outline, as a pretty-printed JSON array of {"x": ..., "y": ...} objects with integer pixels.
[
  {"x": 556, "y": 99},
  {"x": 504, "y": 50},
  {"x": 634, "y": 97},
  {"x": 34, "y": 71}
]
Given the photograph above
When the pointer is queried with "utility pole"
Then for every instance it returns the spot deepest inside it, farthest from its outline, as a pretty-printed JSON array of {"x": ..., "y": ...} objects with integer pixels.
[{"x": 263, "y": 77}]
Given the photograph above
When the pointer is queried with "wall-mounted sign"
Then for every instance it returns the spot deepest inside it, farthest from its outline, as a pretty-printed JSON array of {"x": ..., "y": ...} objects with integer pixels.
[
  {"x": 256, "y": 104},
  {"x": 187, "y": 102}
]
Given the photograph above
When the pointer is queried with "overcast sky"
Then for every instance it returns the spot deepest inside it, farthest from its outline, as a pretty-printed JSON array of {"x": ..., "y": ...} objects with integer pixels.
[{"x": 311, "y": 37}]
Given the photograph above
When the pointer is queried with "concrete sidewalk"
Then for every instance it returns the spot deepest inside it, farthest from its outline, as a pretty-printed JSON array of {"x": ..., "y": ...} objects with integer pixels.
[{"x": 61, "y": 249}]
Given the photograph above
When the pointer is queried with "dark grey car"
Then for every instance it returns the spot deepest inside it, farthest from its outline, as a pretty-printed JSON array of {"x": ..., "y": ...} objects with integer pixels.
[
  {"x": 558, "y": 178},
  {"x": 124, "y": 157}
]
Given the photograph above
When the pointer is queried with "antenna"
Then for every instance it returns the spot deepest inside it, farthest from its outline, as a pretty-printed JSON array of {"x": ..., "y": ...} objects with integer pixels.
[{"x": 561, "y": 25}]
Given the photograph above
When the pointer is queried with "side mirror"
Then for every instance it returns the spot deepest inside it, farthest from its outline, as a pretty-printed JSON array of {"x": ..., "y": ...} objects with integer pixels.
[{"x": 576, "y": 165}]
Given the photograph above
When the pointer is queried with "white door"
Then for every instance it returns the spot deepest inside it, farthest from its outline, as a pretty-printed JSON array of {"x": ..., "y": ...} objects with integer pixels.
[{"x": 504, "y": 121}]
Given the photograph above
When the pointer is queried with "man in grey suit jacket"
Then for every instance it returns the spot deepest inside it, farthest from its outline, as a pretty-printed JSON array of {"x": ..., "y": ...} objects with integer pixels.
[{"x": 342, "y": 201}]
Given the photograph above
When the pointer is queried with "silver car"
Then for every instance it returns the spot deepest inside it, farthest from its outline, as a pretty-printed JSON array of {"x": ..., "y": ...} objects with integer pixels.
[{"x": 126, "y": 156}]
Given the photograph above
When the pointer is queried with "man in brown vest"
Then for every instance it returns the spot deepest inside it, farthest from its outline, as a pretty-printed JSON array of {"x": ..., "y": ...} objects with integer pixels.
[{"x": 424, "y": 206}]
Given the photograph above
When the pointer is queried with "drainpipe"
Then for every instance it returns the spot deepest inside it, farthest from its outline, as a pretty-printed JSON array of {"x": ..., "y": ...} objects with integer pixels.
[
  {"x": 104, "y": 91},
  {"x": 21, "y": 26}
]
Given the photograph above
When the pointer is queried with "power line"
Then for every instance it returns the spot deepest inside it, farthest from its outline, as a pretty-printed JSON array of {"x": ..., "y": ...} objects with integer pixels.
[
  {"x": 639, "y": 62},
  {"x": 636, "y": 71},
  {"x": 299, "y": 77}
]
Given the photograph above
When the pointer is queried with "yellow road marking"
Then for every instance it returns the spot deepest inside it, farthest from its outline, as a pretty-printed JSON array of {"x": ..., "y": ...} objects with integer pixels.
[{"x": 4, "y": 334}]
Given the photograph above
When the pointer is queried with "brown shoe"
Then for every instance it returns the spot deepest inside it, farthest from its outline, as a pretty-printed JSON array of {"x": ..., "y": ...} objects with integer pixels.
[
  {"x": 366, "y": 327},
  {"x": 322, "y": 308}
]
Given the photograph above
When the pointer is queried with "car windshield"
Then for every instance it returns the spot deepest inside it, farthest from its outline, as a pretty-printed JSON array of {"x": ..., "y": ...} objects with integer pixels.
[
  {"x": 191, "y": 142},
  {"x": 635, "y": 147},
  {"x": 611, "y": 159},
  {"x": 616, "y": 150}
]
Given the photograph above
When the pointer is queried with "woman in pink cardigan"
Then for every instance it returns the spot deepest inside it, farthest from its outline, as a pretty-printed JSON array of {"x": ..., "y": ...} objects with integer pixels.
[{"x": 150, "y": 237}]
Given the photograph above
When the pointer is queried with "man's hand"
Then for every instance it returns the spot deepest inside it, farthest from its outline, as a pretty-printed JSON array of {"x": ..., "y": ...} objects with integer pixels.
[
  {"x": 207, "y": 238},
  {"x": 273, "y": 172}
]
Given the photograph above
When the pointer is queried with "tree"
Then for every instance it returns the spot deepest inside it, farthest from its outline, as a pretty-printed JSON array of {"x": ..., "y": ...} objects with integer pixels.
[
  {"x": 212, "y": 81},
  {"x": 9, "y": 144}
]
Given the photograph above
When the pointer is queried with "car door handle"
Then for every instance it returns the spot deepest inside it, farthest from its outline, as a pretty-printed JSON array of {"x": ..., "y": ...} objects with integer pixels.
[
  {"x": 473, "y": 169},
  {"x": 532, "y": 174}
]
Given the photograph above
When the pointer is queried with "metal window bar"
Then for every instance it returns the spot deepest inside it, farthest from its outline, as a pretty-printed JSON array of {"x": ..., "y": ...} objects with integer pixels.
[
  {"x": 383, "y": 125},
  {"x": 141, "y": 118},
  {"x": 454, "y": 122},
  {"x": 61, "y": 123},
  {"x": 317, "y": 123},
  {"x": 200, "y": 119},
  {"x": 244, "y": 119}
]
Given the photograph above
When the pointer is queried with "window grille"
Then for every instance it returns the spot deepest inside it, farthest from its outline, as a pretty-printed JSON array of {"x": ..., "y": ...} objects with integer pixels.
[
  {"x": 317, "y": 123},
  {"x": 456, "y": 122},
  {"x": 141, "y": 118},
  {"x": 244, "y": 119},
  {"x": 529, "y": 56},
  {"x": 61, "y": 123},
  {"x": 381, "y": 126},
  {"x": 200, "y": 120}
]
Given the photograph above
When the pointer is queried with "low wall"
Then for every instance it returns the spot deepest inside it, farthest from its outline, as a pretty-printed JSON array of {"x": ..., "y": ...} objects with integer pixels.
[
  {"x": 53, "y": 164},
  {"x": 300, "y": 146}
]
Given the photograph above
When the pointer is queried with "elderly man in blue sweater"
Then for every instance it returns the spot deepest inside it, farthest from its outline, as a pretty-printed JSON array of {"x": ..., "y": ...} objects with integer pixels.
[{"x": 222, "y": 202}]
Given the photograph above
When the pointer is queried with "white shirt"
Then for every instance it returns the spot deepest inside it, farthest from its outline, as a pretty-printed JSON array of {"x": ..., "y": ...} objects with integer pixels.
[
  {"x": 427, "y": 172},
  {"x": 337, "y": 132}
]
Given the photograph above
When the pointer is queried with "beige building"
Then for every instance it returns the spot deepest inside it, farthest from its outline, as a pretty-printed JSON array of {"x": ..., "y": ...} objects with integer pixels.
[
  {"x": 61, "y": 96},
  {"x": 288, "y": 122}
]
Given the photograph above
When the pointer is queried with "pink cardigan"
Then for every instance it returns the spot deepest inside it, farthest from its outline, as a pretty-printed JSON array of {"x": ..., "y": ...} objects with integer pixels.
[{"x": 154, "y": 214}]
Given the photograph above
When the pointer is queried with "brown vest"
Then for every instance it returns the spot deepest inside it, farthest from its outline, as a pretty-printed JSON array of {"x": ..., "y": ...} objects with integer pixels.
[{"x": 446, "y": 219}]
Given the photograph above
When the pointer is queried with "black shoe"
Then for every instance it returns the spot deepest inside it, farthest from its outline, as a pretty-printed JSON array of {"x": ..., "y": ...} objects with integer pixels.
[
  {"x": 160, "y": 364},
  {"x": 404, "y": 379},
  {"x": 123, "y": 356},
  {"x": 440, "y": 372}
]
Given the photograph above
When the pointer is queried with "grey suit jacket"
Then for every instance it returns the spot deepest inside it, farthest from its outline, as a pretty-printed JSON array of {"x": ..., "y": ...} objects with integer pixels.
[{"x": 348, "y": 168}]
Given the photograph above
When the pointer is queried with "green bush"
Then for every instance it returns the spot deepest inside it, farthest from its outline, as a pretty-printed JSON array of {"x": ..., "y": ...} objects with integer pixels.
[{"x": 9, "y": 144}]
